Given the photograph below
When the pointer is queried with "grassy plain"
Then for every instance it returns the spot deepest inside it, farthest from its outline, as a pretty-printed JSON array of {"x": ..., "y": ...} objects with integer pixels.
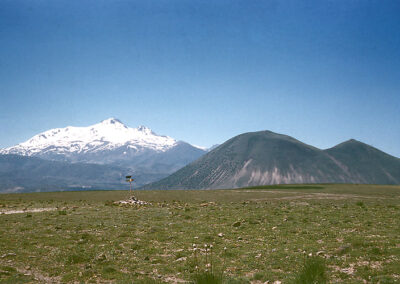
[{"x": 257, "y": 234}]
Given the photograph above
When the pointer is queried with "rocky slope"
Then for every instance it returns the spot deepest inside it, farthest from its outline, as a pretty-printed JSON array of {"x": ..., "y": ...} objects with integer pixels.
[{"x": 262, "y": 158}]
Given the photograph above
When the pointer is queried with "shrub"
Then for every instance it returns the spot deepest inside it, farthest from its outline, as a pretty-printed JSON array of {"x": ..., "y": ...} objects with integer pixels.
[
  {"x": 76, "y": 258},
  {"x": 207, "y": 277},
  {"x": 313, "y": 272},
  {"x": 360, "y": 203},
  {"x": 258, "y": 276}
]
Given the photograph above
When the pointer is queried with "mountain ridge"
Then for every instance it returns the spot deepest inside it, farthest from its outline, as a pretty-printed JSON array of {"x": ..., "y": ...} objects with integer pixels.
[
  {"x": 265, "y": 157},
  {"x": 111, "y": 142},
  {"x": 108, "y": 134}
]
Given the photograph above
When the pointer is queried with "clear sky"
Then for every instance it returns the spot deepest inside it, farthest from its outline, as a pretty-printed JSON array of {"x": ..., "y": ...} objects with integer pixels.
[{"x": 204, "y": 71}]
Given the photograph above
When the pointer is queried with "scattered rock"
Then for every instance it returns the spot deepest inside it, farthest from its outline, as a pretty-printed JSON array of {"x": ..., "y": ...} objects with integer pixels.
[
  {"x": 349, "y": 270},
  {"x": 132, "y": 201},
  {"x": 8, "y": 254},
  {"x": 101, "y": 257},
  {"x": 220, "y": 235},
  {"x": 183, "y": 258}
]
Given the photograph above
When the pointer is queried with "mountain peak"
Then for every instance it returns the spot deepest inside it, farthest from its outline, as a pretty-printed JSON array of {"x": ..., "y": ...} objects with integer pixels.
[
  {"x": 111, "y": 120},
  {"x": 350, "y": 143},
  {"x": 144, "y": 129},
  {"x": 109, "y": 134}
]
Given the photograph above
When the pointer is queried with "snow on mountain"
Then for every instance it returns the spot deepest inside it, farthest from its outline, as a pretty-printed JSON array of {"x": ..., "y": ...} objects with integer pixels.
[
  {"x": 138, "y": 150},
  {"x": 106, "y": 135},
  {"x": 201, "y": 147}
]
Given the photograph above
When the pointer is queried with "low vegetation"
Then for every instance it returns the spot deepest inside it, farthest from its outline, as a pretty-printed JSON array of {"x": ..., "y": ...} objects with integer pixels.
[{"x": 292, "y": 234}]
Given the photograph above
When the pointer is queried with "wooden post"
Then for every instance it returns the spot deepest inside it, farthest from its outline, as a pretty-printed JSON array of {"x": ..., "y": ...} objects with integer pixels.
[{"x": 129, "y": 179}]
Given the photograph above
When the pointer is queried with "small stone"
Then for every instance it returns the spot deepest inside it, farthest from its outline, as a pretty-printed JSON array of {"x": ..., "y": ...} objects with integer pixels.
[
  {"x": 240, "y": 238},
  {"x": 220, "y": 235},
  {"x": 101, "y": 257},
  {"x": 8, "y": 254}
]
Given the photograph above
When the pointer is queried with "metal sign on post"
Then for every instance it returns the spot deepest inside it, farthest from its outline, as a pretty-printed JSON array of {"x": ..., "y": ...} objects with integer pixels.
[{"x": 129, "y": 179}]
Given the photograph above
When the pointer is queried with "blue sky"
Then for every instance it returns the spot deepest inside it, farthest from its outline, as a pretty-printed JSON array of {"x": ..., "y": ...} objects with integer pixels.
[{"x": 204, "y": 71}]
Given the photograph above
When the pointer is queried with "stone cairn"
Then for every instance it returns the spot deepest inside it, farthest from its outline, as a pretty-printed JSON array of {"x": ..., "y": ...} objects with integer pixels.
[{"x": 132, "y": 201}]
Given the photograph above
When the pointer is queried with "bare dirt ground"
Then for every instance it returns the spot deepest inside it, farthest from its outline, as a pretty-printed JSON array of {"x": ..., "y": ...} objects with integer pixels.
[{"x": 30, "y": 210}]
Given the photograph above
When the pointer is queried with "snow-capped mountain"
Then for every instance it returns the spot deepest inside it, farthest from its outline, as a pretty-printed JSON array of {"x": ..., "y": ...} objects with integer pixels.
[
  {"x": 111, "y": 142},
  {"x": 106, "y": 135}
]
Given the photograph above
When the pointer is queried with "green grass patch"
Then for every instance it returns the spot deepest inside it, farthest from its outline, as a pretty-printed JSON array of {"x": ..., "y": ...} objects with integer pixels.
[
  {"x": 313, "y": 272},
  {"x": 207, "y": 277},
  {"x": 256, "y": 236}
]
